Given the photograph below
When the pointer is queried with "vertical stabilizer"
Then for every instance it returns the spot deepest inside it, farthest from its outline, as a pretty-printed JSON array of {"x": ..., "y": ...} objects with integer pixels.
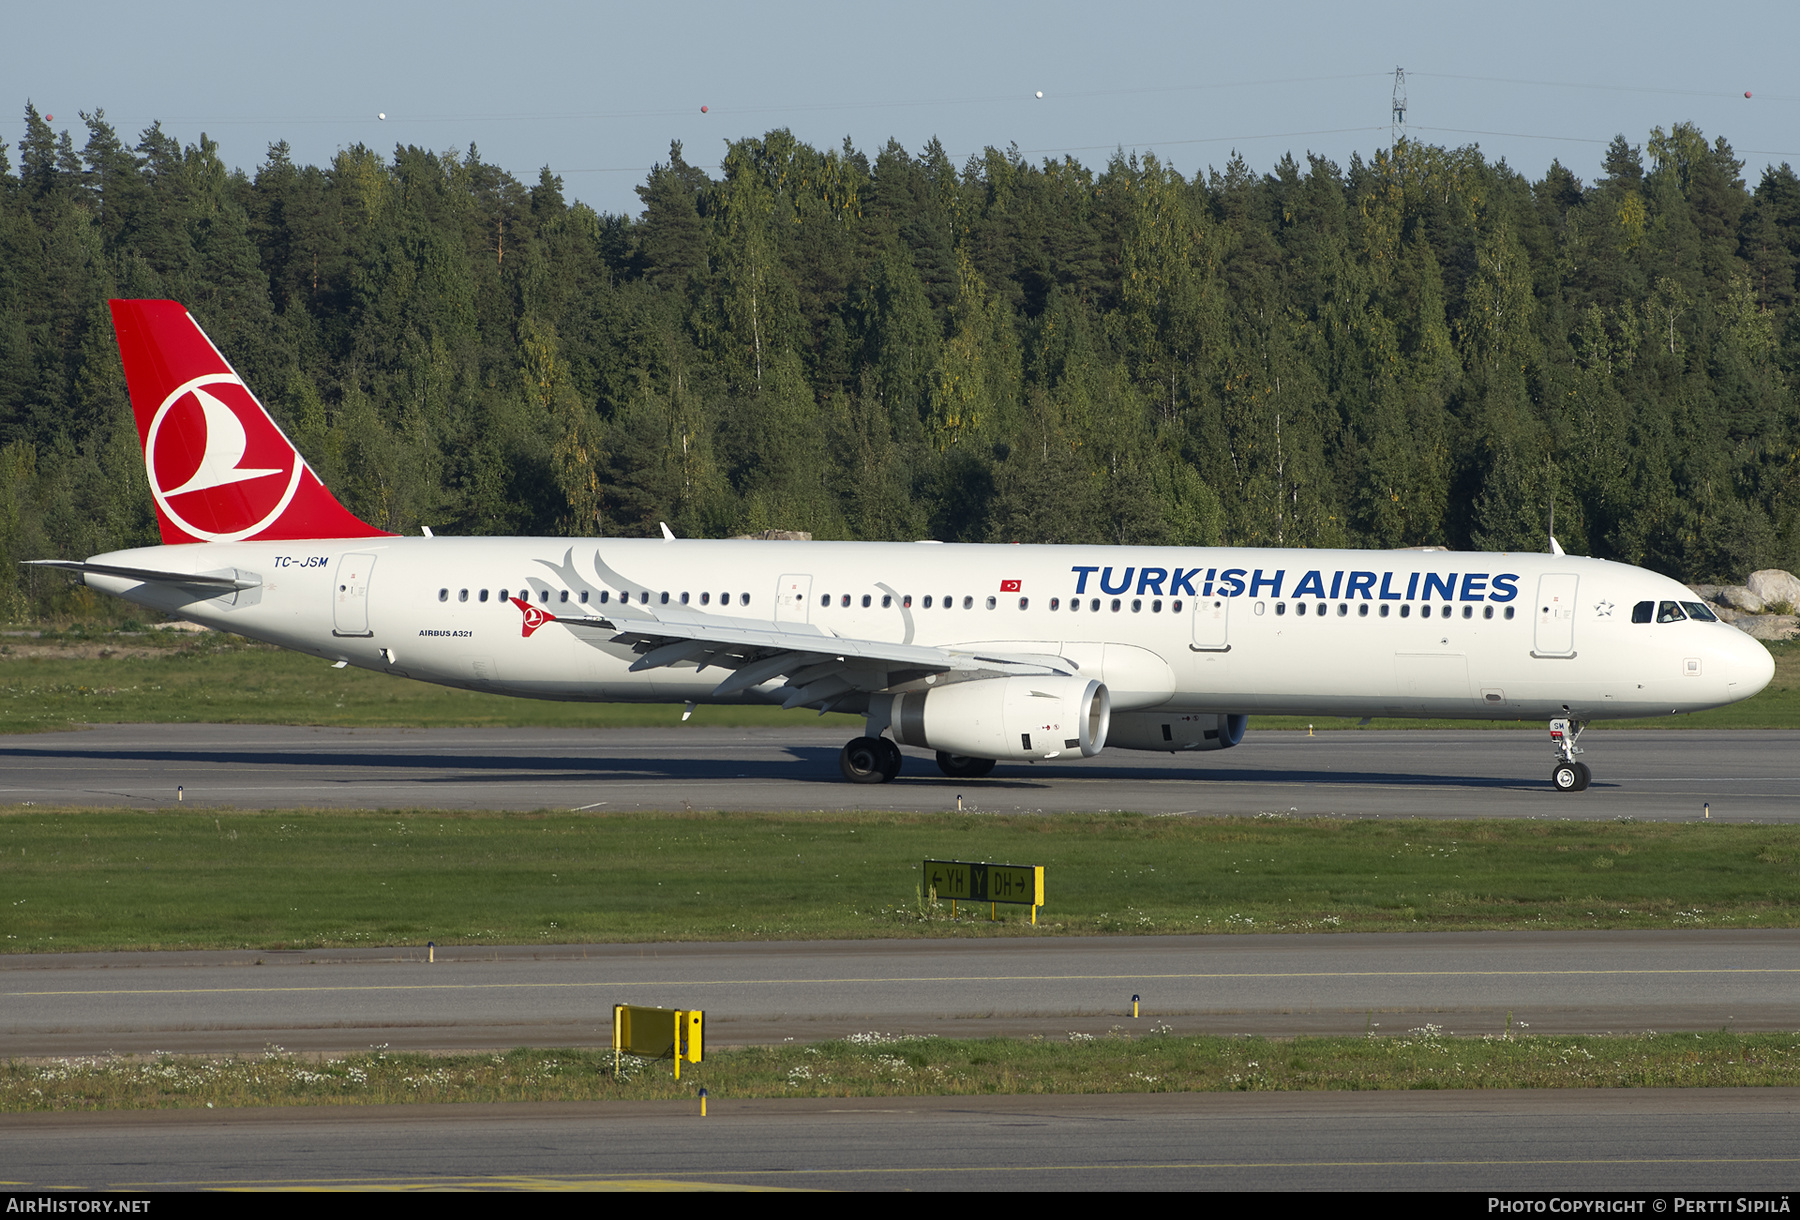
[{"x": 220, "y": 470}]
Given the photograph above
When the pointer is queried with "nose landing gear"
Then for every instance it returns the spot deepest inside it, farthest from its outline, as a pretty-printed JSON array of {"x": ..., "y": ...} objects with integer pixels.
[{"x": 1568, "y": 775}]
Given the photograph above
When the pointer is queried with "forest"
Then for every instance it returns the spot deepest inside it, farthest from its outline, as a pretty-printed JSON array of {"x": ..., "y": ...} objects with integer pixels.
[{"x": 1422, "y": 349}]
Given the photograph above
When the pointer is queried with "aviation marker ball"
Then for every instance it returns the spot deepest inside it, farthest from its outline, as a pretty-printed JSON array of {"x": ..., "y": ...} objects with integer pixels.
[
  {"x": 1746, "y": 93},
  {"x": 382, "y": 115},
  {"x": 1041, "y": 95},
  {"x": 702, "y": 110}
]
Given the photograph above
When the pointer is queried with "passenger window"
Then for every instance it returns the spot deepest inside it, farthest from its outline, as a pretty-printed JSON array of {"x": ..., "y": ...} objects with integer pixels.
[
  {"x": 1487, "y": 612},
  {"x": 502, "y": 595},
  {"x": 605, "y": 596},
  {"x": 1300, "y": 609},
  {"x": 1362, "y": 609},
  {"x": 1509, "y": 612},
  {"x": 1444, "y": 613},
  {"x": 887, "y": 600},
  {"x": 1074, "y": 603},
  {"x": 544, "y": 597},
  {"x": 825, "y": 599},
  {"x": 926, "y": 604},
  {"x": 462, "y": 595},
  {"x": 845, "y": 601},
  {"x": 1669, "y": 612},
  {"x": 705, "y": 599},
  {"x": 906, "y": 602},
  {"x": 564, "y": 597},
  {"x": 1405, "y": 611},
  {"x": 684, "y": 599},
  {"x": 1384, "y": 609},
  {"x": 743, "y": 599},
  {"x": 1056, "y": 603},
  {"x": 443, "y": 595},
  {"x": 1117, "y": 603},
  {"x": 484, "y": 594},
  {"x": 584, "y": 597},
  {"x": 1259, "y": 607},
  {"x": 1468, "y": 612},
  {"x": 1024, "y": 603},
  {"x": 968, "y": 603},
  {"x": 1156, "y": 606},
  {"x": 664, "y": 600},
  {"x": 1343, "y": 609},
  {"x": 1094, "y": 604},
  {"x": 1175, "y": 607},
  {"x": 992, "y": 602},
  {"x": 1280, "y": 609},
  {"x": 1137, "y": 605}
]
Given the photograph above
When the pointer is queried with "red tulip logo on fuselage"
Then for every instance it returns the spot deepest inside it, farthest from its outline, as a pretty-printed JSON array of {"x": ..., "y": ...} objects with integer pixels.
[{"x": 218, "y": 466}]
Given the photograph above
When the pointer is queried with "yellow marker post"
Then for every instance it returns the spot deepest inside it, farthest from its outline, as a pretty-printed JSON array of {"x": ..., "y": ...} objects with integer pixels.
[{"x": 658, "y": 1033}]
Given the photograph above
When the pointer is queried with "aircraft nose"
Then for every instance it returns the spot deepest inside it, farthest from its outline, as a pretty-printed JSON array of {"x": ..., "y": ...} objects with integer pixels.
[{"x": 1751, "y": 667}]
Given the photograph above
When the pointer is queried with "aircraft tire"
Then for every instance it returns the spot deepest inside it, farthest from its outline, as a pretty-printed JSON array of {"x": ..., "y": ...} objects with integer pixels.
[
  {"x": 1565, "y": 778},
  {"x": 1586, "y": 777},
  {"x": 861, "y": 760},
  {"x": 891, "y": 759},
  {"x": 957, "y": 766}
]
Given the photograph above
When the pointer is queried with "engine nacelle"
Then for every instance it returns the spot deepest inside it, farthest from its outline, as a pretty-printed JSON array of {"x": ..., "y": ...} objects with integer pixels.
[
  {"x": 1009, "y": 718},
  {"x": 1173, "y": 731}
]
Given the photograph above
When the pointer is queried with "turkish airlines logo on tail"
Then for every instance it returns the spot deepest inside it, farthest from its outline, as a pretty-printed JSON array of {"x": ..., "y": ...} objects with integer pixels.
[
  {"x": 218, "y": 466},
  {"x": 534, "y": 617}
]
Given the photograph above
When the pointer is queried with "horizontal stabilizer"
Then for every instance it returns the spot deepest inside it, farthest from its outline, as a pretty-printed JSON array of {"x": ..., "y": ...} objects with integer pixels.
[{"x": 149, "y": 575}]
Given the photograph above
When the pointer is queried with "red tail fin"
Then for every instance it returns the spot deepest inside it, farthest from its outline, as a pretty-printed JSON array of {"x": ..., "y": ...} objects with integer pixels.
[{"x": 220, "y": 470}]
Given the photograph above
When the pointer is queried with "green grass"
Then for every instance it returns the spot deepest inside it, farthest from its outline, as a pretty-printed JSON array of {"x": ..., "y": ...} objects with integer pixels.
[
  {"x": 220, "y": 679},
  {"x": 87, "y": 879},
  {"x": 215, "y": 679},
  {"x": 1151, "y": 1059}
]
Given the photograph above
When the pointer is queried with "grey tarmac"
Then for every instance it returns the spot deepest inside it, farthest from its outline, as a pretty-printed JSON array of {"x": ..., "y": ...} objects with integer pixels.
[
  {"x": 760, "y": 992},
  {"x": 1671, "y": 774},
  {"x": 1573, "y": 1140}
]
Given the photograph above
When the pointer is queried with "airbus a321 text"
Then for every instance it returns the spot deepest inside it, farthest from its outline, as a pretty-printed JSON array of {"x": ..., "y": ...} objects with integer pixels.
[{"x": 980, "y": 653}]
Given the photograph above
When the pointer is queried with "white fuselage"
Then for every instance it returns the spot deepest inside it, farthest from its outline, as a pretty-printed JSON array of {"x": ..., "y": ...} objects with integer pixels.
[{"x": 1225, "y": 630}]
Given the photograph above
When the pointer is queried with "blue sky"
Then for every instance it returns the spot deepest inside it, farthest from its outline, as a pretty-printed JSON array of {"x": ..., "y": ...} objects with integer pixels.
[{"x": 597, "y": 91}]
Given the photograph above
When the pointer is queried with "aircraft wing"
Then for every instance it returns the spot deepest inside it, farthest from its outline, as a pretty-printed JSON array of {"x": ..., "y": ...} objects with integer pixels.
[{"x": 820, "y": 667}]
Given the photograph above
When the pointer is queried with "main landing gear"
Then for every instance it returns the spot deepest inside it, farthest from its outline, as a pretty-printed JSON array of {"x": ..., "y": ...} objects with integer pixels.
[
  {"x": 869, "y": 760},
  {"x": 1568, "y": 775},
  {"x": 876, "y": 760}
]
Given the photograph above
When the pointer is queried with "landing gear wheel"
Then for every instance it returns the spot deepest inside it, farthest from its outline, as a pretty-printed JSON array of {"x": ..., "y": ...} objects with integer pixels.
[
  {"x": 891, "y": 758},
  {"x": 1586, "y": 777},
  {"x": 863, "y": 761},
  {"x": 1566, "y": 778},
  {"x": 957, "y": 766}
]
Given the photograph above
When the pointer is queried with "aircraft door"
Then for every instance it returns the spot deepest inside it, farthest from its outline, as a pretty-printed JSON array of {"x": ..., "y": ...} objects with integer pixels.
[
  {"x": 350, "y": 596},
  {"x": 1211, "y": 620},
  {"x": 793, "y": 599},
  {"x": 1555, "y": 616}
]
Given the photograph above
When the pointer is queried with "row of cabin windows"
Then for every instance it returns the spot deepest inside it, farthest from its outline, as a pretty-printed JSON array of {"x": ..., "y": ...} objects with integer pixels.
[
  {"x": 1321, "y": 609},
  {"x": 993, "y": 603},
  {"x": 605, "y": 596}
]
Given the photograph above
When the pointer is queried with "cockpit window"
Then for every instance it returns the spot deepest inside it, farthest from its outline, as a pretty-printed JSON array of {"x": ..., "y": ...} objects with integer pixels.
[
  {"x": 1643, "y": 612},
  {"x": 1669, "y": 612},
  {"x": 1698, "y": 610}
]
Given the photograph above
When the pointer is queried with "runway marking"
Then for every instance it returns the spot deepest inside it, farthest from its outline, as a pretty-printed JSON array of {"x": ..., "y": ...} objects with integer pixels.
[
  {"x": 657, "y": 1180},
  {"x": 945, "y": 978}
]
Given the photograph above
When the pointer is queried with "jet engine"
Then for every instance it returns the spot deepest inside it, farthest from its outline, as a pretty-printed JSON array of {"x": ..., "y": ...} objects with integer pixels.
[
  {"x": 1173, "y": 731},
  {"x": 1006, "y": 718}
]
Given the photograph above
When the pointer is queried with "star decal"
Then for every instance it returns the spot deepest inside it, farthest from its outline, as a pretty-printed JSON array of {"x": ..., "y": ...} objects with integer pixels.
[{"x": 1603, "y": 608}]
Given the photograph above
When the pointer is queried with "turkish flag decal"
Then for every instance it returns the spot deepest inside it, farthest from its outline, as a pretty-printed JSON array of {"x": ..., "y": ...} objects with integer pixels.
[{"x": 1009, "y": 586}]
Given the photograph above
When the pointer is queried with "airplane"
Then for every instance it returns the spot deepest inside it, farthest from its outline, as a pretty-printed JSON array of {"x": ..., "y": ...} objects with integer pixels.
[{"x": 980, "y": 653}]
